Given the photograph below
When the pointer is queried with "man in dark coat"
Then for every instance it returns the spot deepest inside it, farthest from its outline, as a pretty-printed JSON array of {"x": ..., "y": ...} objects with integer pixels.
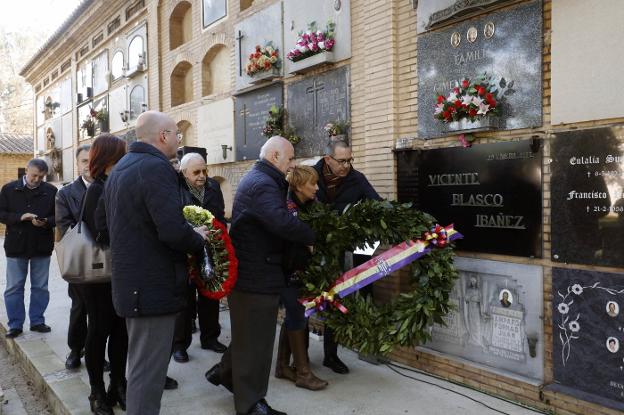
[
  {"x": 27, "y": 210},
  {"x": 339, "y": 185},
  {"x": 67, "y": 212},
  {"x": 149, "y": 240},
  {"x": 200, "y": 190},
  {"x": 261, "y": 229}
]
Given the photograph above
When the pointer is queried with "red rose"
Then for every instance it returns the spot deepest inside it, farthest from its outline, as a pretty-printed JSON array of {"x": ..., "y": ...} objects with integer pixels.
[
  {"x": 481, "y": 90},
  {"x": 456, "y": 90},
  {"x": 451, "y": 109},
  {"x": 440, "y": 99},
  {"x": 446, "y": 114},
  {"x": 491, "y": 102},
  {"x": 465, "y": 83},
  {"x": 472, "y": 113},
  {"x": 458, "y": 104},
  {"x": 489, "y": 96}
]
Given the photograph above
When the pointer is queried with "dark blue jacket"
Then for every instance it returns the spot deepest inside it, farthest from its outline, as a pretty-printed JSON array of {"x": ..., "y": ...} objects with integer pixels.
[
  {"x": 261, "y": 229},
  {"x": 68, "y": 200},
  {"x": 354, "y": 187},
  {"x": 23, "y": 239},
  {"x": 149, "y": 237}
]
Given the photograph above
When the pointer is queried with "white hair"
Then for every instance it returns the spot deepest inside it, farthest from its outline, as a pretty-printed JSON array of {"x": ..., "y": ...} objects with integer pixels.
[
  {"x": 275, "y": 143},
  {"x": 188, "y": 157}
]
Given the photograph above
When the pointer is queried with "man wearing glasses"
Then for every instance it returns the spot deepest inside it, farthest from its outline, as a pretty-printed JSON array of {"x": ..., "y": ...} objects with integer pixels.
[{"x": 339, "y": 185}]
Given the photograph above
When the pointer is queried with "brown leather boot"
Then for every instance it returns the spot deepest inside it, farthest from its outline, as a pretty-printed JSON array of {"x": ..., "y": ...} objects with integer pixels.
[
  {"x": 305, "y": 377},
  {"x": 283, "y": 370}
]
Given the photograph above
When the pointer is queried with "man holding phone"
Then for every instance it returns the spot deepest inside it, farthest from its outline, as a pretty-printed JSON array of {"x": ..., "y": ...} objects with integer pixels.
[{"x": 27, "y": 210}]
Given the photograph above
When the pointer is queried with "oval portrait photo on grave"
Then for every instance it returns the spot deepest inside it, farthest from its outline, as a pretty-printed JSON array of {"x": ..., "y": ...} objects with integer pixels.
[
  {"x": 613, "y": 309},
  {"x": 505, "y": 298},
  {"x": 613, "y": 344}
]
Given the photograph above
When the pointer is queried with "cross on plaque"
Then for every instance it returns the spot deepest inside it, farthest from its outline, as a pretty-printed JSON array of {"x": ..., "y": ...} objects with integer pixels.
[
  {"x": 315, "y": 89},
  {"x": 240, "y": 52},
  {"x": 244, "y": 113}
]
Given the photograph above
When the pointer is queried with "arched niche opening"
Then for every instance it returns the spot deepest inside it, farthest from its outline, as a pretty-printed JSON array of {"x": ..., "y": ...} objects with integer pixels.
[
  {"x": 216, "y": 71},
  {"x": 181, "y": 84},
  {"x": 187, "y": 131},
  {"x": 180, "y": 25}
]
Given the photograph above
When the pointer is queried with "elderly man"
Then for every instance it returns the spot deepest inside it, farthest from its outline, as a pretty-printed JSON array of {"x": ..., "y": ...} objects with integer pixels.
[
  {"x": 200, "y": 190},
  {"x": 149, "y": 242},
  {"x": 27, "y": 209},
  {"x": 339, "y": 185},
  {"x": 67, "y": 212},
  {"x": 261, "y": 228}
]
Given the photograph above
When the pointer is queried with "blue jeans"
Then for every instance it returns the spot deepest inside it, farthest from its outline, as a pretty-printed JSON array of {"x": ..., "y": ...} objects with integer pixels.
[{"x": 17, "y": 269}]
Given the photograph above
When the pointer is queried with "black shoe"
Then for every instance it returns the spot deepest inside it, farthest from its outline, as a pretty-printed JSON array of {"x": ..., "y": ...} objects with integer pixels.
[
  {"x": 73, "y": 360},
  {"x": 180, "y": 356},
  {"x": 214, "y": 345},
  {"x": 193, "y": 326},
  {"x": 116, "y": 394},
  {"x": 171, "y": 383},
  {"x": 13, "y": 333},
  {"x": 41, "y": 328},
  {"x": 106, "y": 366},
  {"x": 99, "y": 404},
  {"x": 262, "y": 408},
  {"x": 213, "y": 375},
  {"x": 336, "y": 365}
]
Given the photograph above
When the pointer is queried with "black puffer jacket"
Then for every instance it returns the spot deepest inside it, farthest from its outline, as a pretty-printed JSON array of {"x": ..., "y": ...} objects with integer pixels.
[
  {"x": 149, "y": 237},
  {"x": 68, "y": 200},
  {"x": 261, "y": 229}
]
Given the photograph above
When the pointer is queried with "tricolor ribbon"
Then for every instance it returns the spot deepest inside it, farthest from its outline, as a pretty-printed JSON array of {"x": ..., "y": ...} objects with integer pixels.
[{"x": 380, "y": 266}]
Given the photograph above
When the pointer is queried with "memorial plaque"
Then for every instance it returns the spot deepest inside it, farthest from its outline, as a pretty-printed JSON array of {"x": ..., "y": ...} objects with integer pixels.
[
  {"x": 588, "y": 335},
  {"x": 587, "y": 194},
  {"x": 491, "y": 192},
  {"x": 251, "y": 111},
  {"x": 505, "y": 44},
  {"x": 259, "y": 29},
  {"x": 497, "y": 317},
  {"x": 315, "y": 101},
  {"x": 215, "y": 129}
]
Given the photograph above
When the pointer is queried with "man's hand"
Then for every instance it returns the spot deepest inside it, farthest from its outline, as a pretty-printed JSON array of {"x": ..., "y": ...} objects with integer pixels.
[
  {"x": 203, "y": 231},
  {"x": 28, "y": 217},
  {"x": 310, "y": 248},
  {"x": 39, "y": 222}
]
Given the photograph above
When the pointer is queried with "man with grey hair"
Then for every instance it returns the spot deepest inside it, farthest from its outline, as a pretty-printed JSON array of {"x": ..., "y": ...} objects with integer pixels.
[
  {"x": 67, "y": 212},
  {"x": 149, "y": 240},
  {"x": 261, "y": 228},
  {"x": 27, "y": 210},
  {"x": 200, "y": 190}
]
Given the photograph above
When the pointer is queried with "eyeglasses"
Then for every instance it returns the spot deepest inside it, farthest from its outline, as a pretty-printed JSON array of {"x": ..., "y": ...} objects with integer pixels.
[
  {"x": 196, "y": 172},
  {"x": 345, "y": 162},
  {"x": 179, "y": 136}
]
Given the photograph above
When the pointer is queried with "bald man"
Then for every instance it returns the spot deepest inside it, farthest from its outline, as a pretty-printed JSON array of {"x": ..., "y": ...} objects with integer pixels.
[
  {"x": 261, "y": 228},
  {"x": 149, "y": 240}
]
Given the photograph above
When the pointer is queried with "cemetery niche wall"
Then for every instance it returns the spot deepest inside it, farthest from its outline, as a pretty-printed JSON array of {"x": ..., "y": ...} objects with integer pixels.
[
  {"x": 315, "y": 101},
  {"x": 588, "y": 336},
  {"x": 491, "y": 192},
  {"x": 504, "y": 44},
  {"x": 588, "y": 196},
  {"x": 497, "y": 320}
]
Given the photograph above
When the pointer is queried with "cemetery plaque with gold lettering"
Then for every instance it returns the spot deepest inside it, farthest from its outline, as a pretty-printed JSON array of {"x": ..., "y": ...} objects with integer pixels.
[{"x": 505, "y": 44}]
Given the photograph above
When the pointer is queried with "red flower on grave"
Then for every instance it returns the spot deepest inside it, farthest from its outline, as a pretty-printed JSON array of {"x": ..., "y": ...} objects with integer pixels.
[
  {"x": 480, "y": 90},
  {"x": 465, "y": 83},
  {"x": 441, "y": 99}
]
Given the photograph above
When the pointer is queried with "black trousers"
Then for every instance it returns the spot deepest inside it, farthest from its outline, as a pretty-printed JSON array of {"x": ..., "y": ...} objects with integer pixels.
[
  {"x": 246, "y": 365},
  {"x": 104, "y": 324},
  {"x": 208, "y": 313},
  {"x": 77, "y": 331}
]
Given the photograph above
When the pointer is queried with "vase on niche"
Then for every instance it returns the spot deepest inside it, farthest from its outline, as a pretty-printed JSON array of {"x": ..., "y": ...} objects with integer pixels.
[
  {"x": 265, "y": 75},
  {"x": 311, "y": 62},
  {"x": 479, "y": 124},
  {"x": 103, "y": 126},
  {"x": 90, "y": 131},
  {"x": 337, "y": 138}
]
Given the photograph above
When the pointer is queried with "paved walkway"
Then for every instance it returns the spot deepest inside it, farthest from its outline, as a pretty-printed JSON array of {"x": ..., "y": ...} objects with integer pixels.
[{"x": 368, "y": 390}]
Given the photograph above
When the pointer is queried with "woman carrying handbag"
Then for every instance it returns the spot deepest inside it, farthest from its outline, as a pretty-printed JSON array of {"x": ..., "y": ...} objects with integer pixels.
[{"x": 104, "y": 323}]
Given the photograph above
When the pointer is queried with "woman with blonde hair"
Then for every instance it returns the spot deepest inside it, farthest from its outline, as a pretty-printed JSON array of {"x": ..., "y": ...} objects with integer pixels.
[{"x": 302, "y": 182}]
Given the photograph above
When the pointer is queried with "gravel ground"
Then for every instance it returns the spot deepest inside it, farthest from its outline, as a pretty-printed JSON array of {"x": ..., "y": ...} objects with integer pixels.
[{"x": 12, "y": 377}]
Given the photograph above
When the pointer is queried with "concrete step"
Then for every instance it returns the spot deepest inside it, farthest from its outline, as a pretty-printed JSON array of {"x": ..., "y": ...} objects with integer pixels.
[{"x": 11, "y": 403}]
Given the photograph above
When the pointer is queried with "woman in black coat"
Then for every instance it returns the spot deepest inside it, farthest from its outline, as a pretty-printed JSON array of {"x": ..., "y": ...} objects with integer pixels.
[
  {"x": 302, "y": 182},
  {"x": 103, "y": 323}
]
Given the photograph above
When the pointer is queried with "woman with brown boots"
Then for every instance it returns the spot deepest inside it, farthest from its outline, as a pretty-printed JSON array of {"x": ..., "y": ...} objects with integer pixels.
[{"x": 293, "y": 339}]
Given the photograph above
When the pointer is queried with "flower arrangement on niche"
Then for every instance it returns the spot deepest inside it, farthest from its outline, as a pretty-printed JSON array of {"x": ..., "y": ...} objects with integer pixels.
[
  {"x": 263, "y": 59},
  {"x": 313, "y": 41},
  {"x": 275, "y": 125},
  {"x": 473, "y": 99},
  {"x": 337, "y": 128}
]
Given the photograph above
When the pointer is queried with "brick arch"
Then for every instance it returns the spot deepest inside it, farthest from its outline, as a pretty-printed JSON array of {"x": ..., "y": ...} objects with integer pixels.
[
  {"x": 181, "y": 83},
  {"x": 216, "y": 75},
  {"x": 188, "y": 130},
  {"x": 180, "y": 24}
]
